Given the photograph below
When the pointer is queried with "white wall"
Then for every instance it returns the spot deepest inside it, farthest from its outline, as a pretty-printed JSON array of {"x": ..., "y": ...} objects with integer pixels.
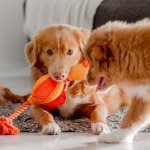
[{"x": 12, "y": 39}]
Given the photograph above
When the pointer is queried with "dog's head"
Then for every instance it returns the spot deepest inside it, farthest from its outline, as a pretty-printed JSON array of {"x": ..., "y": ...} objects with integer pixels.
[
  {"x": 102, "y": 59},
  {"x": 58, "y": 48}
]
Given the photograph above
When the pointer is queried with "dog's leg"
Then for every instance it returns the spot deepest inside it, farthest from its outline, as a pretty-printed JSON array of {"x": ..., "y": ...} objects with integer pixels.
[
  {"x": 45, "y": 120},
  {"x": 98, "y": 119},
  {"x": 136, "y": 117},
  {"x": 95, "y": 110},
  {"x": 97, "y": 114},
  {"x": 107, "y": 103}
]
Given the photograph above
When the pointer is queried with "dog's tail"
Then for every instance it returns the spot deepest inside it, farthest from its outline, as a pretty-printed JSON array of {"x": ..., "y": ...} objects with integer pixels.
[{"x": 7, "y": 95}]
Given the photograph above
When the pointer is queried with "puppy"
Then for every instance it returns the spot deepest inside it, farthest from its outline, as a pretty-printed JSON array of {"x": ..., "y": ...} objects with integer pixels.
[
  {"x": 54, "y": 50},
  {"x": 119, "y": 55}
]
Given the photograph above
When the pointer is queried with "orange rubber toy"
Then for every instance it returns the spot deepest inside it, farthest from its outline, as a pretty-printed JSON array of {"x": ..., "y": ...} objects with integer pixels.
[{"x": 46, "y": 92}]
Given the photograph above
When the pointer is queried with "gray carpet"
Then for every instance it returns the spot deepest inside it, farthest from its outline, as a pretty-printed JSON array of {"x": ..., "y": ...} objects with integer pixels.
[{"x": 27, "y": 124}]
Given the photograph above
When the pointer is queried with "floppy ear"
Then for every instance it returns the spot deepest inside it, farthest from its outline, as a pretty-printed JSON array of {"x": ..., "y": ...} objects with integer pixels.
[
  {"x": 31, "y": 53},
  {"x": 82, "y": 36}
]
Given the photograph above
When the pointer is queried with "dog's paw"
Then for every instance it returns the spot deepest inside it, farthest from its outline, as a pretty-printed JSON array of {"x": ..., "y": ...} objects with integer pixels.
[
  {"x": 51, "y": 129},
  {"x": 118, "y": 136},
  {"x": 99, "y": 127}
]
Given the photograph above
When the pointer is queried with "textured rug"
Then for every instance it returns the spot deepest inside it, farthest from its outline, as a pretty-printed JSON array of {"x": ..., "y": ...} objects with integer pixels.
[{"x": 27, "y": 124}]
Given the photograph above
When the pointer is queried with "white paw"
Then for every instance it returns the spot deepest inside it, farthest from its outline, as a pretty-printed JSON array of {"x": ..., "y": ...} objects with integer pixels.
[
  {"x": 51, "y": 129},
  {"x": 118, "y": 136},
  {"x": 99, "y": 127}
]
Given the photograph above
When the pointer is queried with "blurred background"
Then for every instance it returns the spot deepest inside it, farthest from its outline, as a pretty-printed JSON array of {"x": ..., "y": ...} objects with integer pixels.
[
  {"x": 12, "y": 38},
  {"x": 14, "y": 72},
  {"x": 20, "y": 19}
]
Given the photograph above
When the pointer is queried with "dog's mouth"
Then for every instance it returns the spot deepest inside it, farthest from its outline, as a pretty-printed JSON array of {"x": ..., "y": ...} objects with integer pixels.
[{"x": 101, "y": 84}]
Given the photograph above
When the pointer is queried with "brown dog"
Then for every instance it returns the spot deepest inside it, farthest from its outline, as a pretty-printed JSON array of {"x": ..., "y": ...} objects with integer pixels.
[
  {"x": 55, "y": 50},
  {"x": 119, "y": 54}
]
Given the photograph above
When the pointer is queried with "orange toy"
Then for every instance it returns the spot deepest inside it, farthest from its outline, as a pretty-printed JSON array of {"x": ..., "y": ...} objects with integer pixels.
[{"x": 47, "y": 93}]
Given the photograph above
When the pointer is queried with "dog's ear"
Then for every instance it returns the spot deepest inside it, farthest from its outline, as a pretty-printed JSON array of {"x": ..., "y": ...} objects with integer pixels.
[
  {"x": 85, "y": 34},
  {"x": 31, "y": 53},
  {"x": 82, "y": 36}
]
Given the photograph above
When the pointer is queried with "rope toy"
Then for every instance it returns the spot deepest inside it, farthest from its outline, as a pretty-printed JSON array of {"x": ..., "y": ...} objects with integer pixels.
[{"x": 47, "y": 93}]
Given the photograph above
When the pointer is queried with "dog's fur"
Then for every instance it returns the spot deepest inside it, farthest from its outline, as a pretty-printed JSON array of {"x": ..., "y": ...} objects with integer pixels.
[
  {"x": 82, "y": 101},
  {"x": 7, "y": 95},
  {"x": 120, "y": 53}
]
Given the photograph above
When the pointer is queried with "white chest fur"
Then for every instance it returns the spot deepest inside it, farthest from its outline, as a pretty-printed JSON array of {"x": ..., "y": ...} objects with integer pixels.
[{"x": 140, "y": 91}]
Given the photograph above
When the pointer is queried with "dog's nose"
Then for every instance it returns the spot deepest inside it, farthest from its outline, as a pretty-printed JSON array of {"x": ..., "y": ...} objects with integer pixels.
[{"x": 59, "y": 75}]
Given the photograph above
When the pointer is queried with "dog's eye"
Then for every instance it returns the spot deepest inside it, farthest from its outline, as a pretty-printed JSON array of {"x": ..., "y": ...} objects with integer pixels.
[
  {"x": 49, "y": 52},
  {"x": 69, "y": 52}
]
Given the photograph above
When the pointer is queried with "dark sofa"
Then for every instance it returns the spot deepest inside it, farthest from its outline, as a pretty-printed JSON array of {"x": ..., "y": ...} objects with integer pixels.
[{"x": 124, "y": 10}]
